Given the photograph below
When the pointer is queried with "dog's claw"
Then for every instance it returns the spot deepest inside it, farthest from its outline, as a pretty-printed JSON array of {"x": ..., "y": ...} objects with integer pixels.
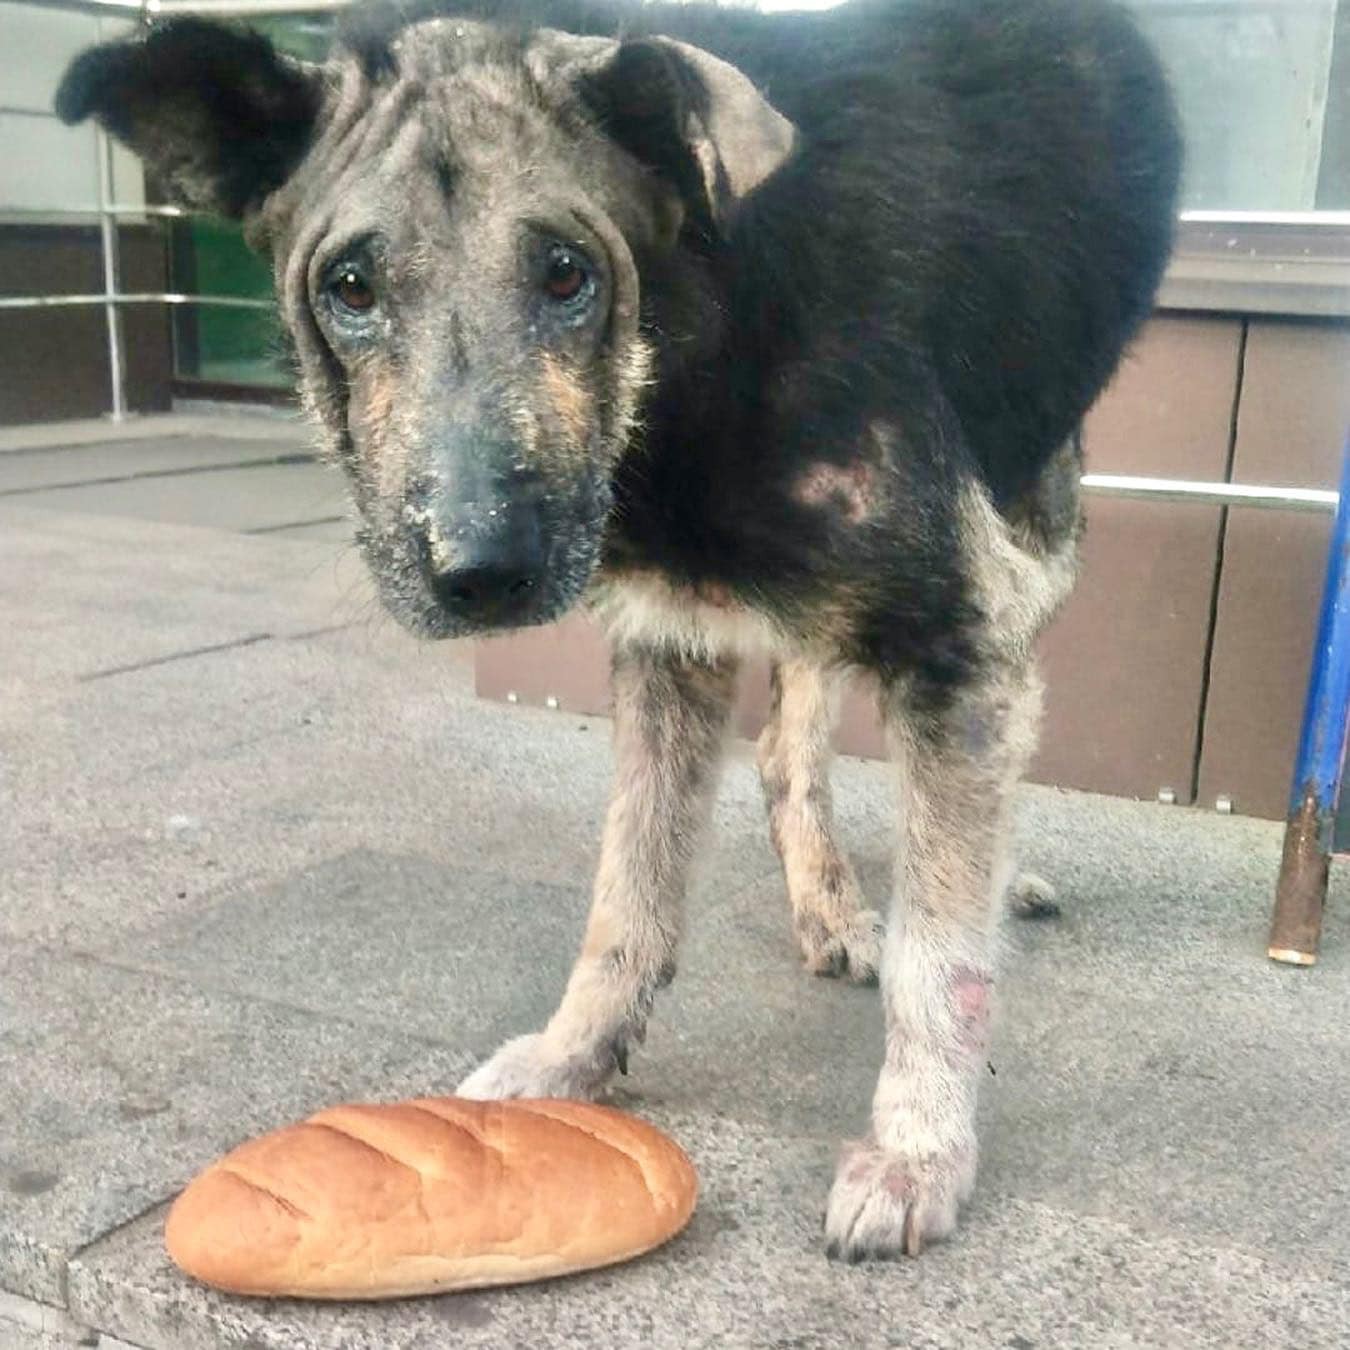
[
  {"x": 913, "y": 1239},
  {"x": 621, "y": 1056},
  {"x": 1032, "y": 897}
]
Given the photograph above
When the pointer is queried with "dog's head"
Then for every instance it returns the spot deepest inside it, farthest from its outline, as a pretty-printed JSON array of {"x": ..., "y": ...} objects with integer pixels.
[{"x": 461, "y": 220}]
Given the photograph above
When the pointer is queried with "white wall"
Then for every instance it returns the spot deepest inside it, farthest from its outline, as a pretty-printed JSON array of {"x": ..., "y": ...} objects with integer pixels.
[{"x": 42, "y": 163}]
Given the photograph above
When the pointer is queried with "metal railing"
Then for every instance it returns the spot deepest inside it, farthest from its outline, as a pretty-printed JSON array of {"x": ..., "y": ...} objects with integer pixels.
[
  {"x": 112, "y": 298},
  {"x": 147, "y": 10},
  {"x": 1215, "y": 494}
]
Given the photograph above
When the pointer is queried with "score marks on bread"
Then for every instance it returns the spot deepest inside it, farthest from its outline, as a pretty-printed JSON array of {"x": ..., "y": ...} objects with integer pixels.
[{"x": 426, "y": 1196}]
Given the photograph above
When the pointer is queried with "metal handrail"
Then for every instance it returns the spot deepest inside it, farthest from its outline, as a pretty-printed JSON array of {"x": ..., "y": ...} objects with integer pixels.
[
  {"x": 117, "y": 209},
  {"x": 1334, "y": 220},
  {"x": 112, "y": 298},
  {"x": 1211, "y": 494},
  {"x": 164, "y": 9},
  {"x": 127, "y": 298}
]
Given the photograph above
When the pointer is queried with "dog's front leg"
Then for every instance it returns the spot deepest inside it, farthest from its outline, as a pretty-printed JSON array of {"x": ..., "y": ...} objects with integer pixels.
[
  {"x": 670, "y": 717},
  {"x": 901, "y": 1186}
]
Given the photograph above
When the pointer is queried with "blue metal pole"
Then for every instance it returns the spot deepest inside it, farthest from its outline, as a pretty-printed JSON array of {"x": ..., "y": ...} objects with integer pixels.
[{"x": 1301, "y": 893}]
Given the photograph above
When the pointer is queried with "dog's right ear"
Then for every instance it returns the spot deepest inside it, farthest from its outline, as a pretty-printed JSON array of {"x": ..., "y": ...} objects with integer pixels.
[
  {"x": 218, "y": 115},
  {"x": 690, "y": 116}
]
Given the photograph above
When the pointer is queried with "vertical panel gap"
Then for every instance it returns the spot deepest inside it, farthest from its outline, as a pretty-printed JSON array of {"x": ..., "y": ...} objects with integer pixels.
[{"x": 1213, "y": 623}]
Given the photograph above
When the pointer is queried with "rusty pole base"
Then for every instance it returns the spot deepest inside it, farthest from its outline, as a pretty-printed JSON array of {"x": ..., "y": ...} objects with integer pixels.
[{"x": 1302, "y": 891}]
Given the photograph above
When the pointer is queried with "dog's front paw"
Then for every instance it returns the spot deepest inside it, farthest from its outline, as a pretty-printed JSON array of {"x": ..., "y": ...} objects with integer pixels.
[
  {"x": 886, "y": 1204},
  {"x": 529, "y": 1066}
]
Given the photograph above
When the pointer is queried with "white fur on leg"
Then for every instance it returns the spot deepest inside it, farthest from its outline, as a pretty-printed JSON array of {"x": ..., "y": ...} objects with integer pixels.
[
  {"x": 903, "y": 1186},
  {"x": 529, "y": 1067},
  {"x": 669, "y": 719}
]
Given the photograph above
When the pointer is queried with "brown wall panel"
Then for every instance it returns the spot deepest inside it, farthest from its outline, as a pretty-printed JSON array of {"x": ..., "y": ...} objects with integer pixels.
[
  {"x": 56, "y": 360},
  {"x": 567, "y": 661},
  {"x": 1291, "y": 426},
  {"x": 1124, "y": 662}
]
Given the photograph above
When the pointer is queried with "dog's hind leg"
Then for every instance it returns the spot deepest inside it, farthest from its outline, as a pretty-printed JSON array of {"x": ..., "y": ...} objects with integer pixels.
[
  {"x": 670, "y": 718},
  {"x": 901, "y": 1187},
  {"x": 837, "y": 935}
]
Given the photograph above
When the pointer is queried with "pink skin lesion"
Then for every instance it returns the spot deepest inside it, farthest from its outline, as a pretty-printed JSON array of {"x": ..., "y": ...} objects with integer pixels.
[
  {"x": 849, "y": 489},
  {"x": 971, "y": 991}
]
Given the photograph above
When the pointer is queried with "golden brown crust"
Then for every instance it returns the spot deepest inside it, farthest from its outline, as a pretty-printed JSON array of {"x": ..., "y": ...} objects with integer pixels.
[{"x": 435, "y": 1194}]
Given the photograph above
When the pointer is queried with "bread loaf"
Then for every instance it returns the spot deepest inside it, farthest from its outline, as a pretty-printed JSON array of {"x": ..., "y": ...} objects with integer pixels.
[{"x": 429, "y": 1195}]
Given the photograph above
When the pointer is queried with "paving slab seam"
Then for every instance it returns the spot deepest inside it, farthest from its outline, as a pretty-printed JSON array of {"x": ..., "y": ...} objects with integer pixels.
[
  {"x": 77, "y": 1252},
  {"x": 305, "y": 634},
  {"x": 296, "y": 525},
  {"x": 248, "y": 640},
  {"x": 186, "y": 471},
  {"x": 208, "y": 986},
  {"x": 103, "y": 1339},
  {"x": 35, "y": 437}
]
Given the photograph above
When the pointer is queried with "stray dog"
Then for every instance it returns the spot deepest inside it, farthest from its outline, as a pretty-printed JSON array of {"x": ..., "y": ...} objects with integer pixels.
[{"x": 747, "y": 332}]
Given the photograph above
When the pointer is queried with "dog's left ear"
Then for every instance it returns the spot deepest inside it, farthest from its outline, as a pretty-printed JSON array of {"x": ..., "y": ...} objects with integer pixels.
[
  {"x": 219, "y": 115},
  {"x": 692, "y": 118}
]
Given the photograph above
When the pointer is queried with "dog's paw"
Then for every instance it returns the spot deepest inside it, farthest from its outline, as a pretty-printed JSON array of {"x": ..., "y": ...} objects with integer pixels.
[
  {"x": 1032, "y": 897},
  {"x": 850, "y": 949},
  {"x": 884, "y": 1205},
  {"x": 530, "y": 1067}
]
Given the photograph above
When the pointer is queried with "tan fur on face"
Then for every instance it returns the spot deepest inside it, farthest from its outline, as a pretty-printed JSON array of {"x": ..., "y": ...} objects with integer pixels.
[
  {"x": 383, "y": 450},
  {"x": 570, "y": 401}
]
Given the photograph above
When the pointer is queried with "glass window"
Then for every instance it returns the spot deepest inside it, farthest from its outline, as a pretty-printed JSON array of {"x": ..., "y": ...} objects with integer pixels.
[{"x": 1264, "y": 92}]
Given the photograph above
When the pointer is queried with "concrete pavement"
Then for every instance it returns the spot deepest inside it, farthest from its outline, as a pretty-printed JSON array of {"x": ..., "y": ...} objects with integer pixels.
[{"x": 259, "y": 852}]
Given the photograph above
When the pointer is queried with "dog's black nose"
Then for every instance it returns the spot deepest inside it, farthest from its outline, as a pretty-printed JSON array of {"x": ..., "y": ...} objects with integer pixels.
[
  {"x": 486, "y": 591},
  {"x": 489, "y": 573}
]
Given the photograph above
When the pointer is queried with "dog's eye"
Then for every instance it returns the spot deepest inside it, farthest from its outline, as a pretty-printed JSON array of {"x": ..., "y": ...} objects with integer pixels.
[
  {"x": 565, "y": 276},
  {"x": 351, "y": 290}
]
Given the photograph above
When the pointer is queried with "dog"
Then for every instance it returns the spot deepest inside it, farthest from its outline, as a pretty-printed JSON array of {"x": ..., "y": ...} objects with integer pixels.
[{"x": 749, "y": 333}]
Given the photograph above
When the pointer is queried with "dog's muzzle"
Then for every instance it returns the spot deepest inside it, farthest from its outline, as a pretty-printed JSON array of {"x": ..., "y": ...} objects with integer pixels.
[{"x": 482, "y": 560}]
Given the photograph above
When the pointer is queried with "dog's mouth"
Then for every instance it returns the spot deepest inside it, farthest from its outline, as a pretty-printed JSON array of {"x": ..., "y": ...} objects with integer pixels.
[{"x": 467, "y": 579}]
